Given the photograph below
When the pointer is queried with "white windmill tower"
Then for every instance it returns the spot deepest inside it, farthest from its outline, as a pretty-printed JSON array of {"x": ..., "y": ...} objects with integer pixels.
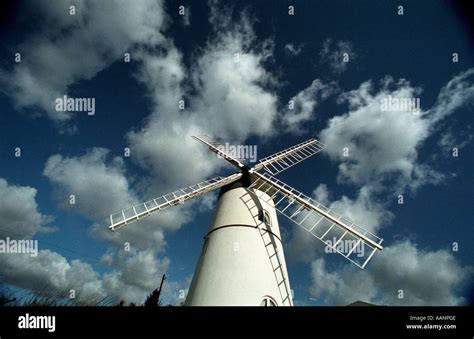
[{"x": 242, "y": 260}]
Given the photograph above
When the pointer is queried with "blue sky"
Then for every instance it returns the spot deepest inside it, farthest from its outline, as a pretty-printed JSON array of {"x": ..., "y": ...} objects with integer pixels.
[{"x": 282, "y": 57}]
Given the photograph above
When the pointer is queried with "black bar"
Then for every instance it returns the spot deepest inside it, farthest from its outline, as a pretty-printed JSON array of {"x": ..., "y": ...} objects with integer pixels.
[{"x": 241, "y": 321}]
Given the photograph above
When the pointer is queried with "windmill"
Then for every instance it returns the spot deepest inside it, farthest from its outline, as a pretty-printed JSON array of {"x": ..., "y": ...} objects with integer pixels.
[{"x": 242, "y": 260}]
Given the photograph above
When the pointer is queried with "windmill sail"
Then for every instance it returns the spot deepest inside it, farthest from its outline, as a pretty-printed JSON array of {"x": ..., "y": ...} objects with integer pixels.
[
  {"x": 337, "y": 232},
  {"x": 283, "y": 160},
  {"x": 142, "y": 210},
  {"x": 218, "y": 148}
]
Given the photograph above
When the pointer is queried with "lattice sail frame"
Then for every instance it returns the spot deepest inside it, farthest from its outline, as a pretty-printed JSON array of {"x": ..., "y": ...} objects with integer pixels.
[
  {"x": 289, "y": 157},
  {"x": 218, "y": 148},
  {"x": 178, "y": 197},
  {"x": 338, "y": 233}
]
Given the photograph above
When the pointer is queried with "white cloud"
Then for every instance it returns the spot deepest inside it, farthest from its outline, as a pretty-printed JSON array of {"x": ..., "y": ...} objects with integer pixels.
[
  {"x": 459, "y": 91},
  {"x": 293, "y": 49},
  {"x": 163, "y": 145},
  {"x": 425, "y": 277},
  {"x": 339, "y": 287},
  {"x": 99, "y": 183},
  {"x": 303, "y": 105},
  {"x": 19, "y": 214},
  {"x": 450, "y": 140},
  {"x": 373, "y": 139},
  {"x": 231, "y": 101},
  {"x": 132, "y": 277},
  {"x": 98, "y": 187},
  {"x": 101, "y": 187},
  {"x": 139, "y": 273},
  {"x": 365, "y": 211},
  {"x": 372, "y": 136},
  {"x": 134, "y": 274},
  {"x": 69, "y": 48},
  {"x": 321, "y": 194},
  {"x": 333, "y": 54},
  {"x": 381, "y": 163},
  {"x": 49, "y": 273},
  {"x": 175, "y": 292}
]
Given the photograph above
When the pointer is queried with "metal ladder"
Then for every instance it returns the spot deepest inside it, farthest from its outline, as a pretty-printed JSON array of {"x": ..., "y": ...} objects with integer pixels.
[{"x": 270, "y": 248}]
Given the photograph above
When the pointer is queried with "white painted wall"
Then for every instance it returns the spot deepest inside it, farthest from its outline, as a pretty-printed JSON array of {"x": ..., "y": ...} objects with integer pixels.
[{"x": 234, "y": 268}]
